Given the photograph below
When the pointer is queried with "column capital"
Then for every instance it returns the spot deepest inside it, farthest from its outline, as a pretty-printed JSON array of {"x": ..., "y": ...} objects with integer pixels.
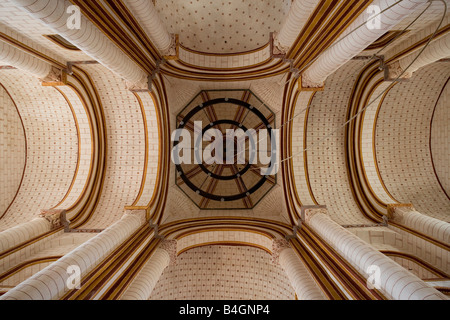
[
  {"x": 306, "y": 84},
  {"x": 142, "y": 85},
  {"x": 394, "y": 70},
  {"x": 140, "y": 213},
  {"x": 307, "y": 212},
  {"x": 172, "y": 52},
  {"x": 310, "y": 213},
  {"x": 56, "y": 217},
  {"x": 277, "y": 50},
  {"x": 56, "y": 77},
  {"x": 171, "y": 247},
  {"x": 395, "y": 211},
  {"x": 278, "y": 245}
]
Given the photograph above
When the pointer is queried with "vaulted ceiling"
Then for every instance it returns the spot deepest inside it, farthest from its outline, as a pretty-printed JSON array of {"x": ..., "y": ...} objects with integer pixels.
[
  {"x": 89, "y": 127},
  {"x": 223, "y": 26},
  {"x": 221, "y": 45}
]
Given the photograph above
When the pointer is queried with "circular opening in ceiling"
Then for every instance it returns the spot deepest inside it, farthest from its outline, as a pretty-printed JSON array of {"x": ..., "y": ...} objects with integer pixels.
[{"x": 237, "y": 176}]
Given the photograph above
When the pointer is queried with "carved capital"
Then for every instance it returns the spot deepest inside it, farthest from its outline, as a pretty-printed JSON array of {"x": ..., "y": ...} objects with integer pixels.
[
  {"x": 172, "y": 52},
  {"x": 278, "y": 245},
  {"x": 310, "y": 213},
  {"x": 140, "y": 213},
  {"x": 140, "y": 86},
  {"x": 395, "y": 212},
  {"x": 56, "y": 77},
  {"x": 306, "y": 84},
  {"x": 277, "y": 50},
  {"x": 56, "y": 217},
  {"x": 394, "y": 71},
  {"x": 171, "y": 247}
]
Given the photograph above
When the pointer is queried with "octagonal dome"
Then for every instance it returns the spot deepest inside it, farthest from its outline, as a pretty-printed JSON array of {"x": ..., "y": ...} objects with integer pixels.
[{"x": 232, "y": 176}]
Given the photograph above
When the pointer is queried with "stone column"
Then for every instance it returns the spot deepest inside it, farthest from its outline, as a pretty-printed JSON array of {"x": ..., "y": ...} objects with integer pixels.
[
  {"x": 361, "y": 38},
  {"x": 301, "y": 280},
  {"x": 407, "y": 216},
  {"x": 48, "y": 220},
  {"x": 142, "y": 286},
  {"x": 383, "y": 273},
  {"x": 53, "y": 282},
  {"x": 28, "y": 63},
  {"x": 297, "y": 18},
  {"x": 88, "y": 38},
  {"x": 145, "y": 12},
  {"x": 437, "y": 49}
]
